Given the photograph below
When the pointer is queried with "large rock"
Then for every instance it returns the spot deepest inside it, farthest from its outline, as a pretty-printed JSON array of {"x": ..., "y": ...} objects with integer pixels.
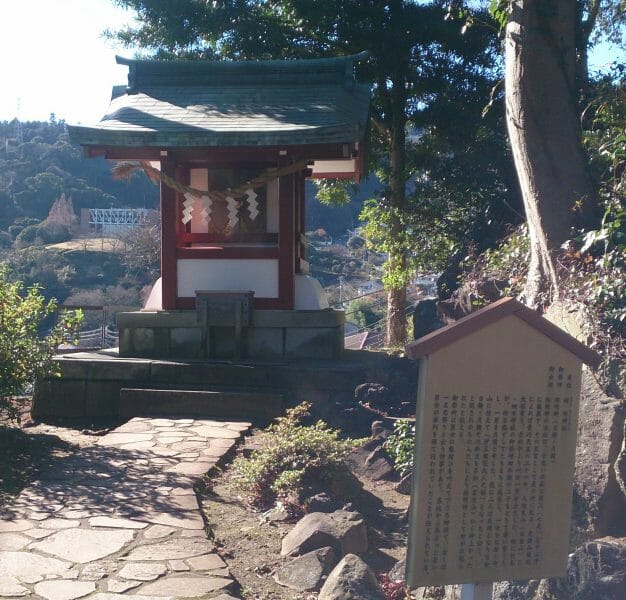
[
  {"x": 599, "y": 503},
  {"x": 306, "y": 572},
  {"x": 398, "y": 571},
  {"x": 351, "y": 579},
  {"x": 425, "y": 318},
  {"x": 373, "y": 393},
  {"x": 596, "y": 571},
  {"x": 345, "y": 532}
]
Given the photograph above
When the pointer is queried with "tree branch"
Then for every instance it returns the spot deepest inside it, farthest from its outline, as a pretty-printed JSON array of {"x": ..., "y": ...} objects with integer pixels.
[{"x": 380, "y": 125}]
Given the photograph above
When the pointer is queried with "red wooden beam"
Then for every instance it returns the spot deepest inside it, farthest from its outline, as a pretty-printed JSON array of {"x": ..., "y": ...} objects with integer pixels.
[
  {"x": 169, "y": 221},
  {"x": 232, "y": 155},
  {"x": 228, "y": 252}
]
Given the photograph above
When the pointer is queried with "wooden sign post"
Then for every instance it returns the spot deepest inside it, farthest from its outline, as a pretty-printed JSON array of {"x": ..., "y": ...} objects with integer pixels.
[
  {"x": 480, "y": 591},
  {"x": 497, "y": 414}
]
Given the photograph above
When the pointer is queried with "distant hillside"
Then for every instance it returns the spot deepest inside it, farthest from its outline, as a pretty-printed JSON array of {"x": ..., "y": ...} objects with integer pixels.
[
  {"x": 38, "y": 163},
  {"x": 36, "y": 169}
]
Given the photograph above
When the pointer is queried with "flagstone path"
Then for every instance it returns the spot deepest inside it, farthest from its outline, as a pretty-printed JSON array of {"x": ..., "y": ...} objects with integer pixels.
[{"x": 120, "y": 518}]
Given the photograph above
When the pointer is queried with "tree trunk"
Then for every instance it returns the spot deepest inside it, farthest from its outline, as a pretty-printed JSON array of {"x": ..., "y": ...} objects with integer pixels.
[
  {"x": 396, "y": 317},
  {"x": 544, "y": 131},
  {"x": 396, "y": 296}
]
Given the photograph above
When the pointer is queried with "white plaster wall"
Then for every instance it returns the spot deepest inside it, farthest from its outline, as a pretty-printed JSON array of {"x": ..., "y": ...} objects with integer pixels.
[{"x": 260, "y": 275}]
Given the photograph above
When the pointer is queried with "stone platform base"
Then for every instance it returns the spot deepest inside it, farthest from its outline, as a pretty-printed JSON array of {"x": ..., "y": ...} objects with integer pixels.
[
  {"x": 104, "y": 385},
  {"x": 272, "y": 334}
]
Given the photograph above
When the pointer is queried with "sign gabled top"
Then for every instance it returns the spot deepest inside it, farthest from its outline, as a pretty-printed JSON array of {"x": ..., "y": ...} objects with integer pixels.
[{"x": 490, "y": 314}]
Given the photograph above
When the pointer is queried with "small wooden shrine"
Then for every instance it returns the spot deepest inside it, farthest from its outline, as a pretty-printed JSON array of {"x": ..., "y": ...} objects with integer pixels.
[{"x": 232, "y": 144}]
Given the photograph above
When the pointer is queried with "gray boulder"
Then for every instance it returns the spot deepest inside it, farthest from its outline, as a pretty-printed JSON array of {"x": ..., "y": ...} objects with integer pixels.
[
  {"x": 398, "y": 571},
  {"x": 405, "y": 485},
  {"x": 344, "y": 531},
  {"x": 599, "y": 500},
  {"x": 596, "y": 571},
  {"x": 321, "y": 502},
  {"x": 351, "y": 579},
  {"x": 305, "y": 573}
]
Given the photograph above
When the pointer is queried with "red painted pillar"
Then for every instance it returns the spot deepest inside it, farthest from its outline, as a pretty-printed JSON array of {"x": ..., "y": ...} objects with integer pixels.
[
  {"x": 302, "y": 215},
  {"x": 169, "y": 219},
  {"x": 286, "y": 241}
]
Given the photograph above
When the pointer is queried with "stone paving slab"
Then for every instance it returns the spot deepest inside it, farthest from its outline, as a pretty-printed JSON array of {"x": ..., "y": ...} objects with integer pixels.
[{"x": 120, "y": 519}]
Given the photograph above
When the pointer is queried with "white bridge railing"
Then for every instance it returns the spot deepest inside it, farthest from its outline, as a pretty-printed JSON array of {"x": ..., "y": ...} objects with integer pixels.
[
  {"x": 117, "y": 216},
  {"x": 101, "y": 332}
]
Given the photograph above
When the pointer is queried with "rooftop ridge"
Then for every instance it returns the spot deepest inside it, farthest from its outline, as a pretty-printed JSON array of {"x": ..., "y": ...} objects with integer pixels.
[{"x": 146, "y": 73}]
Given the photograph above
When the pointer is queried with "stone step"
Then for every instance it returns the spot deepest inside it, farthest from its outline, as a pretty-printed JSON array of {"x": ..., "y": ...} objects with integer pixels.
[{"x": 231, "y": 404}]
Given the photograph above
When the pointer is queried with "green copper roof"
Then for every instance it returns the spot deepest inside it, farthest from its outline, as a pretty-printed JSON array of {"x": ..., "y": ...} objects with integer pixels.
[{"x": 228, "y": 103}]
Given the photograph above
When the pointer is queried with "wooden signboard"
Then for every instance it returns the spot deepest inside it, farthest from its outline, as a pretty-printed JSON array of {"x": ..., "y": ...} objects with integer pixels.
[{"x": 495, "y": 447}]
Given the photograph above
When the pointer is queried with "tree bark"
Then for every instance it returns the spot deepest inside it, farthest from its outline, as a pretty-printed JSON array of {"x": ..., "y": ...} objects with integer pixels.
[
  {"x": 396, "y": 296},
  {"x": 544, "y": 131},
  {"x": 396, "y": 317}
]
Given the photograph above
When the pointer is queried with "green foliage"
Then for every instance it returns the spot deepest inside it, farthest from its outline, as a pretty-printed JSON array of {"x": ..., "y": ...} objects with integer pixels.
[
  {"x": 401, "y": 446},
  {"x": 25, "y": 355},
  {"x": 291, "y": 455},
  {"x": 53, "y": 233},
  {"x": 600, "y": 274},
  {"x": 500, "y": 10},
  {"x": 364, "y": 312},
  {"x": 37, "y": 266},
  {"x": 36, "y": 171},
  {"x": 334, "y": 192},
  {"x": 20, "y": 224},
  {"x": 507, "y": 261},
  {"x": 592, "y": 265},
  {"x": 41, "y": 234},
  {"x": 27, "y": 237}
]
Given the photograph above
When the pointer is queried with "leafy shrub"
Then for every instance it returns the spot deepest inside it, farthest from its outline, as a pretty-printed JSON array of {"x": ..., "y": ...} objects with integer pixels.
[
  {"x": 393, "y": 590},
  {"x": 591, "y": 269},
  {"x": 364, "y": 312},
  {"x": 53, "y": 233},
  {"x": 20, "y": 224},
  {"x": 400, "y": 446},
  {"x": 25, "y": 356},
  {"x": 27, "y": 237},
  {"x": 291, "y": 455}
]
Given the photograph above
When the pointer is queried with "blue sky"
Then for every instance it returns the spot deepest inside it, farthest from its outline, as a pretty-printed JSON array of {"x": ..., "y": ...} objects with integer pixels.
[{"x": 55, "y": 60}]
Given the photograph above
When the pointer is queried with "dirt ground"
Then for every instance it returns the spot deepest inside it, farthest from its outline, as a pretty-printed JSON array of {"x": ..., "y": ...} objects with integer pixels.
[
  {"x": 28, "y": 449},
  {"x": 247, "y": 542},
  {"x": 251, "y": 545}
]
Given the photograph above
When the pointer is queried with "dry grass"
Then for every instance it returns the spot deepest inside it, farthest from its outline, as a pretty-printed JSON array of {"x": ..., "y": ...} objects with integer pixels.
[{"x": 103, "y": 244}]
